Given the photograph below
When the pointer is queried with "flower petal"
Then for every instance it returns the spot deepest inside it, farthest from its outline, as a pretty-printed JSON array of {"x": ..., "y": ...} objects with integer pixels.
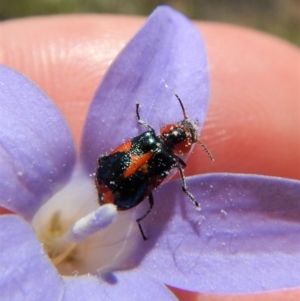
[
  {"x": 129, "y": 285},
  {"x": 166, "y": 56},
  {"x": 37, "y": 153},
  {"x": 25, "y": 271},
  {"x": 245, "y": 238}
]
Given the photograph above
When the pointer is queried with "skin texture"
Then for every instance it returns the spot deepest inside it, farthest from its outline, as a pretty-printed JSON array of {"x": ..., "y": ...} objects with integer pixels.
[{"x": 253, "y": 123}]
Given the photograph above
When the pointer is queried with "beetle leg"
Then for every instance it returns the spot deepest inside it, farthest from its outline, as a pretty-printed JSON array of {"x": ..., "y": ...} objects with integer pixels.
[
  {"x": 151, "y": 202},
  {"x": 142, "y": 122},
  {"x": 180, "y": 162},
  {"x": 184, "y": 186}
]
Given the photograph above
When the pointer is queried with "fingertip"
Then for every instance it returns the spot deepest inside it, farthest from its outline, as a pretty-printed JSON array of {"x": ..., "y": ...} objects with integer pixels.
[{"x": 253, "y": 120}]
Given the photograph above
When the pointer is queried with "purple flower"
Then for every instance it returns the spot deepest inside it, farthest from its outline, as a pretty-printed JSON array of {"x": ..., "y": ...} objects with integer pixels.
[{"x": 245, "y": 238}]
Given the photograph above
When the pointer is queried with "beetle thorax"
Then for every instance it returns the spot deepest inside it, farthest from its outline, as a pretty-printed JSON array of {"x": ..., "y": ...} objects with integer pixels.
[{"x": 180, "y": 137}]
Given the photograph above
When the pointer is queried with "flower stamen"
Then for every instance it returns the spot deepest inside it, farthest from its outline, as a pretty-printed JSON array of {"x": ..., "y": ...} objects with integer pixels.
[
  {"x": 91, "y": 223},
  {"x": 60, "y": 244}
]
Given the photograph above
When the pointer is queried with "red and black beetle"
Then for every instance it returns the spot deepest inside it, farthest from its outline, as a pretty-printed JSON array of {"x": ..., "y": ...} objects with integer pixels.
[{"x": 130, "y": 173}]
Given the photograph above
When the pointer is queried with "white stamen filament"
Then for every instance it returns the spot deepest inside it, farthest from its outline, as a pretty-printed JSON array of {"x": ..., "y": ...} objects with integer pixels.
[
  {"x": 83, "y": 229},
  {"x": 91, "y": 223}
]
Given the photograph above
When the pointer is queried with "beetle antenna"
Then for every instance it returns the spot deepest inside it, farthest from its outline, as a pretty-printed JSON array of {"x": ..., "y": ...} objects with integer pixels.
[
  {"x": 207, "y": 151},
  {"x": 182, "y": 107}
]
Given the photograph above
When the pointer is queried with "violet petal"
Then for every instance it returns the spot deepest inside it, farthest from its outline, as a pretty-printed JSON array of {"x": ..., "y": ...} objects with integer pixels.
[
  {"x": 166, "y": 56},
  {"x": 245, "y": 238},
  {"x": 25, "y": 271},
  {"x": 129, "y": 285},
  {"x": 37, "y": 152}
]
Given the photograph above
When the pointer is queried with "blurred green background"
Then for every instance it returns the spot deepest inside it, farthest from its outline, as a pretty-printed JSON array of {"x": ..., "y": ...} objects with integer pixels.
[{"x": 278, "y": 17}]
